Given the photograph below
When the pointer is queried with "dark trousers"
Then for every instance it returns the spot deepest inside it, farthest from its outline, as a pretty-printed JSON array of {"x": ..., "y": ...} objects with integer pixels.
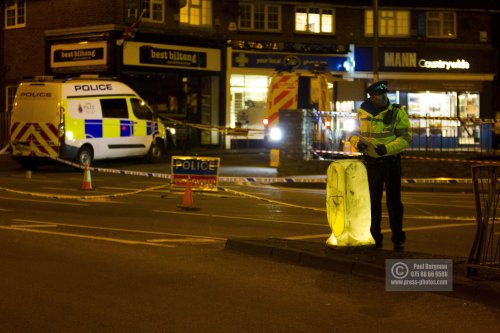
[{"x": 385, "y": 171}]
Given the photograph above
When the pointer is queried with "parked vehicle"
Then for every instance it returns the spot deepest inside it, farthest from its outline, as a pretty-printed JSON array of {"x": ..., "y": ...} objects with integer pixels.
[
  {"x": 294, "y": 91},
  {"x": 82, "y": 120}
]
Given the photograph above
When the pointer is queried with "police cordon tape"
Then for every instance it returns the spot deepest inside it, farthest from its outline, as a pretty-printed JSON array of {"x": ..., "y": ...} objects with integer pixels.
[
  {"x": 80, "y": 197},
  {"x": 243, "y": 131},
  {"x": 257, "y": 180},
  {"x": 316, "y": 153},
  {"x": 270, "y": 200},
  {"x": 264, "y": 180}
]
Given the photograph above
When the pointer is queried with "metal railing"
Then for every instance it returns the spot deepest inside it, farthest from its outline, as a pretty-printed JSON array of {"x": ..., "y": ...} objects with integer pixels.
[
  {"x": 4, "y": 128},
  {"x": 326, "y": 134},
  {"x": 485, "y": 251}
]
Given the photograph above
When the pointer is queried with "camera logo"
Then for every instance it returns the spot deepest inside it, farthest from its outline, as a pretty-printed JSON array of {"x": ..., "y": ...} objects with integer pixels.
[{"x": 399, "y": 270}]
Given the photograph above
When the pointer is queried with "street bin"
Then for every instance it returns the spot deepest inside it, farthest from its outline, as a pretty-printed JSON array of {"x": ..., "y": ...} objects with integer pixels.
[{"x": 348, "y": 204}]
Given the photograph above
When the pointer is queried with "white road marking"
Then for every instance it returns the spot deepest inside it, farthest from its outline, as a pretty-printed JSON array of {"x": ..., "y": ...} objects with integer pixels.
[
  {"x": 34, "y": 225},
  {"x": 184, "y": 240},
  {"x": 60, "y": 189},
  {"x": 118, "y": 229},
  {"x": 238, "y": 218},
  {"x": 439, "y": 226},
  {"x": 108, "y": 239},
  {"x": 46, "y": 201}
]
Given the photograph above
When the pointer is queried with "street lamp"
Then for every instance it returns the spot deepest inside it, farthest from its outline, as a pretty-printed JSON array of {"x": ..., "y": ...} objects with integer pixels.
[{"x": 375, "y": 41}]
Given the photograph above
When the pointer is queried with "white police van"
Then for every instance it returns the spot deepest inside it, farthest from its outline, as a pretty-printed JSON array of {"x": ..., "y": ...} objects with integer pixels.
[{"x": 82, "y": 120}]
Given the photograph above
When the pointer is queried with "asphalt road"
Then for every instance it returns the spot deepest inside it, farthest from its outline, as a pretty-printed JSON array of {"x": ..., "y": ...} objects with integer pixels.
[
  {"x": 125, "y": 257},
  {"x": 64, "y": 284}
]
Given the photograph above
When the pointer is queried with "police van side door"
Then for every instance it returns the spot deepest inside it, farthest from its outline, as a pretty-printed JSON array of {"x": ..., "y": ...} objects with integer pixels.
[{"x": 118, "y": 129}]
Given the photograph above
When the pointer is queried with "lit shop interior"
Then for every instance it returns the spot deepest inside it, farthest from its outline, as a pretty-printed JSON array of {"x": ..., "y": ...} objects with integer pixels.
[
  {"x": 442, "y": 133},
  {"x": 248, "y": 101}
]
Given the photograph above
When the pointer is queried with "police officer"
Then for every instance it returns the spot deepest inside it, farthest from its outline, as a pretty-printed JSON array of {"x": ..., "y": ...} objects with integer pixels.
[{"x": 384, "y": 132}]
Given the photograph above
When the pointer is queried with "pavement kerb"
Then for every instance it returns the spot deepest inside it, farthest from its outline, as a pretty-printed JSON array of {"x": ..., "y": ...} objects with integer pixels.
[{"x": 472, "y": 289}]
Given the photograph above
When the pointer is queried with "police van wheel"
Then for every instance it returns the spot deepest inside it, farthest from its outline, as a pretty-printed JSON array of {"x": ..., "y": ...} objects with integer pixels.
[
  {"x": 155, "y": 152},
  {"x": 85, "y": 155}
]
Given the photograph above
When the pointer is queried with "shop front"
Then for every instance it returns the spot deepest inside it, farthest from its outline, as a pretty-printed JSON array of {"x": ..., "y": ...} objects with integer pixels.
[
  {"x": 179, "y": 82},
  {"x": 441, "y": 88},
  {"x": 250, "y": 73}
]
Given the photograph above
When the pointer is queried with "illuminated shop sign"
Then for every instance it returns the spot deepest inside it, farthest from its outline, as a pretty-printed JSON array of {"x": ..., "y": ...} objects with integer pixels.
[
  {"x": 289, "y": 61},
  {"x": 410, "y": 59},
  {"x": 171, "y": 56},
  {"x": 426, "y": 60},
  {"x": 78, "y": 54}
]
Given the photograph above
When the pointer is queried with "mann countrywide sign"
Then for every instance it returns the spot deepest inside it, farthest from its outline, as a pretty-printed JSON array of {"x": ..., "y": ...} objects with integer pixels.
[{"x": 426, "y": 60}]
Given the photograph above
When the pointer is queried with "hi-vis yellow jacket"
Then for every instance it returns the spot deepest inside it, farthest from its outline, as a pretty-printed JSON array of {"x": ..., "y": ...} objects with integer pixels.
[{"x": 391, "y": 127}]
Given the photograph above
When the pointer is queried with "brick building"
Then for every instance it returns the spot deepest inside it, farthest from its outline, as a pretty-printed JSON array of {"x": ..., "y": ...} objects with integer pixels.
[{"x": 205, "y": 61}]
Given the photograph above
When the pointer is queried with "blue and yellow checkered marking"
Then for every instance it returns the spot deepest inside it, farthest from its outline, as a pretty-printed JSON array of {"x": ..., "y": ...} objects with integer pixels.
[
  {"x": 93, "y": 128},
  {"x": 126, "y": 128}
]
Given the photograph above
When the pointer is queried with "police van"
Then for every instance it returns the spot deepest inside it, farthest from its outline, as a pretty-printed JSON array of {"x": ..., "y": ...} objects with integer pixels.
[
  {"x": 293, "y": 91},
  {"x": 82, "y": 120}
]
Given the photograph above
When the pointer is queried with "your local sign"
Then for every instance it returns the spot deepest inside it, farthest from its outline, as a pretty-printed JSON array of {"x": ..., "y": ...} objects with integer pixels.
[{"x": 202, "y": 172}]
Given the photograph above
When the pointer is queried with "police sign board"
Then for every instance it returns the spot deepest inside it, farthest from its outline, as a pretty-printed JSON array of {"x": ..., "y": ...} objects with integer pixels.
[{"x": 202, "y": 172}]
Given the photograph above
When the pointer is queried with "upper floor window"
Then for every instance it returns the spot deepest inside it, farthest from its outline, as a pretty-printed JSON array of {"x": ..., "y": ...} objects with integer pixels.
[
  {"x": 197, "y": 12},
  {"x": 391, "y": 23},
  {"x": 153, "y": 10},
  {"x": 15, "y": 13},
  {"x": 260, "y": 17},
  {"x": 441, "y": 25},
  {"x": 315, "y": 20},
  {"x": 147, "y": 10}
]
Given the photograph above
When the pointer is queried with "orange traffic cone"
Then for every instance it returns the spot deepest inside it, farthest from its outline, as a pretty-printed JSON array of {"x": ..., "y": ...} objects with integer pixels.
[
  {"x": 187, "y": 200},
  {"x": 87, "y": 180}
]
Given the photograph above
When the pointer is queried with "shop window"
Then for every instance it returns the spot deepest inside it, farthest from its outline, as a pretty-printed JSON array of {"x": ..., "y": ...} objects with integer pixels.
[
  {"x": 259, "y": 17},
  {"x": 433, "y": 105},
  {"x": 315, "y": 20},
  {"x": 114, "y": 108},
  {"x": 141, "y": 110},
  {"x": 248, "y": 101},
  {"x": 441, "y": 25},
  {"x": 469, "y": 108},
  {"x": 197, "y": 13},
  {"x": 15, "y": 14},
  {"x": 391, "y": 23},
  {"x": 10, "y": 94}
]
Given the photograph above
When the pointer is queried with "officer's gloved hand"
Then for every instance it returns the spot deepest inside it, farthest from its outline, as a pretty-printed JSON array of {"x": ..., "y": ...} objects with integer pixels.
[
  {"x": 361, "y": 146},
  {"x": 381, "y": 150}
]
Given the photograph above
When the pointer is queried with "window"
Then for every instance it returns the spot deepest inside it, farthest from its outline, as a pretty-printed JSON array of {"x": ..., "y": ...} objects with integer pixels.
[
  {"x": 197, "y": 12},
  {"x": 260, "y": 17},
  {"x": 153, "y": 10},
  {"x": 391, "y": 23},
  {"x": 15, "y": 13},
  {"x": 315, "y": 20},
  {"x": 141, "y": 110},
  {"x": 114, "y": 108},
  {"x": 10, "y": 93},
  {"x": 441, "y": 25}
]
